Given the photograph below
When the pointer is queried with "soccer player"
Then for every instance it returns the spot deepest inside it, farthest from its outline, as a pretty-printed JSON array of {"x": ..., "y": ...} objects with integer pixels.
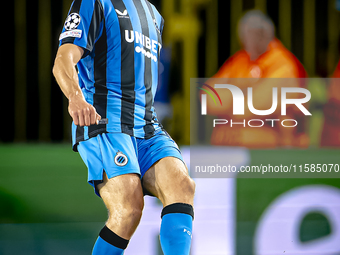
[{"x": 116, "y": 46}]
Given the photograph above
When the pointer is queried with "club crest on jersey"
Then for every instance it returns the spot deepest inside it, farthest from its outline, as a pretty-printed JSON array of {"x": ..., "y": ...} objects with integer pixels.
[
  {"x": 72, "y": 21},
  {"x": 120, "y": 159}
]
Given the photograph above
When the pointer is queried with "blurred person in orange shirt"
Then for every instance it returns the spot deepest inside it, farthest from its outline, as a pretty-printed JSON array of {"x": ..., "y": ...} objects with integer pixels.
[
  {"x": 262, "y": 56},
  {"x": 330, "y": 136}
]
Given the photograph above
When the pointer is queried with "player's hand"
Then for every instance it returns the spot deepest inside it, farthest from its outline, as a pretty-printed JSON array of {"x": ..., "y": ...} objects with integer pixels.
[{"x": 82, "y": 113}]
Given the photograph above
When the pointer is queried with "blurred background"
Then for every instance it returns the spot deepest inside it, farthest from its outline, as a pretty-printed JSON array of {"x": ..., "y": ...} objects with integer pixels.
[
  {"x": 199, "y": 36},
  {"x": 46, "y": 207}
]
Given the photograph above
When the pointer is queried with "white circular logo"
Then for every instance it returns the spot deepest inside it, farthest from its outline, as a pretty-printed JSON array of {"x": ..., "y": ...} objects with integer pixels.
[
  {"x": 121, "y": 159},
  {"x": 72, "y": 21}
]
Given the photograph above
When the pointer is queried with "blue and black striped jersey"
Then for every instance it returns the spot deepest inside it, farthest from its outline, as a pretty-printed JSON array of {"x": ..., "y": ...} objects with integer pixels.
[{"x": 118, "y": 72}]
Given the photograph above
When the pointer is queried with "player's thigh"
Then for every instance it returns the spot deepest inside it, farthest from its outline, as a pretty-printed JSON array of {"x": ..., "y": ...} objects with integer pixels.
[
  {"x": 123, "y": 189},
  {"x": 168, "y": 179},
  {"x": 123, "y": 197}
]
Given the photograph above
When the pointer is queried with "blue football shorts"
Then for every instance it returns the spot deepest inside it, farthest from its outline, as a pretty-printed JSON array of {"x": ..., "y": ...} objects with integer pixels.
[{"x": 119, "y": 153}]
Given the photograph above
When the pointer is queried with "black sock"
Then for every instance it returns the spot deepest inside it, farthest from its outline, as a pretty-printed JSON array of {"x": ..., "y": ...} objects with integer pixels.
[{"x": 112, "y": 238}]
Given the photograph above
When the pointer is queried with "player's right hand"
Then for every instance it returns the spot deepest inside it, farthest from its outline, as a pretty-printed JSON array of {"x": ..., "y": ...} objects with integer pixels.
[{"x": 82, "y": 113}]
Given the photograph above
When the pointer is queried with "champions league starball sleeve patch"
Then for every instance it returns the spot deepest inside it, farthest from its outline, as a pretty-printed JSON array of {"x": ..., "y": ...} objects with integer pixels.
[{"x": 71, "y": 23}]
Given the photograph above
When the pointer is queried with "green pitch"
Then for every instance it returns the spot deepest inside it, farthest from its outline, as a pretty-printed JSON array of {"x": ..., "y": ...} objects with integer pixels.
[{"x": 45, "y": 183}]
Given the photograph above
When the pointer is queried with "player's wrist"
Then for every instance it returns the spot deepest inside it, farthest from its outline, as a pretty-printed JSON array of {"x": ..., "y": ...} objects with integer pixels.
[{"x": 76, "y": 96}]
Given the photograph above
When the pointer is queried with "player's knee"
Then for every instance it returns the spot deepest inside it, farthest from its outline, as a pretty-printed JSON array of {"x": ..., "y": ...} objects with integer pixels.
[
  {"x": 190, "y": 187},
  {"x": 187, "y": 189},
  {"x": 132, "y": 214},
  {"x": 135, "y": 211},
  {"x": 128, "y": 213}
]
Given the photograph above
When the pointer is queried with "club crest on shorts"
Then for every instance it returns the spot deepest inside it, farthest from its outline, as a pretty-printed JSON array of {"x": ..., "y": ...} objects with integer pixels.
[{"x": 121, "y": 159}]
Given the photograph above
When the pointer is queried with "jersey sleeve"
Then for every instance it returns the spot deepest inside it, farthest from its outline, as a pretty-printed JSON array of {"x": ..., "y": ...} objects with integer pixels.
[
  {"x": 159, "y": 19},
  {"x": 83, "y": 26}
]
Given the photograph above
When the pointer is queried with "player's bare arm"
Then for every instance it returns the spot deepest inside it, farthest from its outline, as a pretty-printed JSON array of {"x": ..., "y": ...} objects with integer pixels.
[{"x": 82, "y": 113}]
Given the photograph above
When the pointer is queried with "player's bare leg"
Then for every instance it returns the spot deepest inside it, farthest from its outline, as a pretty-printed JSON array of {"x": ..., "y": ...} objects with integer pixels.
[
  {"x": 123, "y": 197},
  {"x": 168, "y": 180}
]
